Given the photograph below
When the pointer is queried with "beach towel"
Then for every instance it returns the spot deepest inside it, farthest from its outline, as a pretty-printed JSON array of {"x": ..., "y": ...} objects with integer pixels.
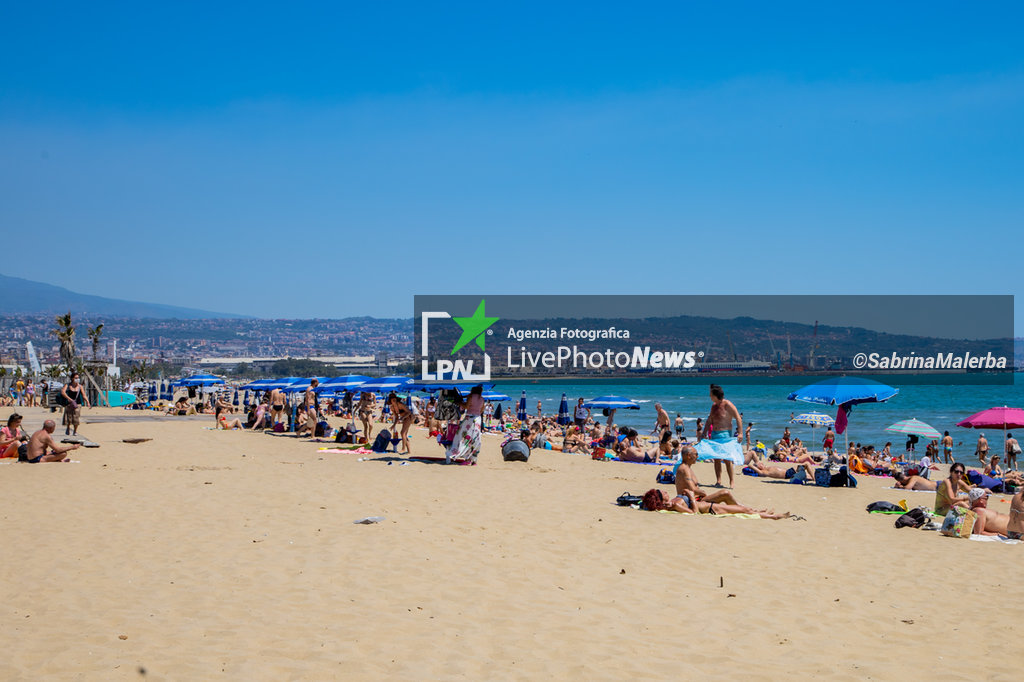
[
  {"x": 466, "y": 443},
  {"x": 722, "y": 446}
]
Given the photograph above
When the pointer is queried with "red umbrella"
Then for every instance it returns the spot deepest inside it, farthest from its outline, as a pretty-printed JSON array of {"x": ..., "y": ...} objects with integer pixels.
[{"x": 996, "y": 418}]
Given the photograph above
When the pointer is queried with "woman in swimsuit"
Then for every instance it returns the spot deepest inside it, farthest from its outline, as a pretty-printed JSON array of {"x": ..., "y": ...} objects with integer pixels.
[
  {"x": 402, "y": 414},
  {"x": 277, "y": 402},
  {"x": 946, "y": 496},
  {"x": 367, "y": 401},
  {"x": 656, "y": 500},
  {"x": 11, "y": 437}
]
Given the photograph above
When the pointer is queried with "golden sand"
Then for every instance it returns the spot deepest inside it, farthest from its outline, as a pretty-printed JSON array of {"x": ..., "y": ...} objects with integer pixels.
[{"x": 233, "y": 555}]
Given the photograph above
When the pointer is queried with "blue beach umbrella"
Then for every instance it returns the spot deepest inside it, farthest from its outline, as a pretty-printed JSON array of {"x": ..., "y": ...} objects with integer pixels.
[
  {"x": 152, "y": 391},
  {"x": 283, "y": 383},
  {"x": 563, "y": 412},
  {"x": 611, "y": 402},
  {"x": 813, "y": 419},
  {"x": 301, "y": 385},
  {"x": 235, "y": 399},
  {"x": 200, "y": 380},
  {"x": 342, "y": 384},
  {"x": 245, "y": 399},
  {"x": 521, "y": 414},
  {"x": 495, "y": 397},
  {"x": 845, "y": 392},
  {"x": 260, "y": 385},
  {"x": 385, "y": 384}
]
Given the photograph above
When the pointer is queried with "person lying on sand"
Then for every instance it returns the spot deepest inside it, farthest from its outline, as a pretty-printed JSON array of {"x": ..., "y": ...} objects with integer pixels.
[
  {"x": 769, "y": 471},
  {"x": 656, "y": 500},
  {"x": 914, "y": 482},
  {"x": 42, "y": 448},
  {"x": 630, "y": 450},
  {"x": 223, "y": 423},
  {"x": 989, "y": 521}
]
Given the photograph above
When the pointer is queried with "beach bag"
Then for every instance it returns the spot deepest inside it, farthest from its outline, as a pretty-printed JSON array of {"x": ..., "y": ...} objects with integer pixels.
[
  {"x": 320, "y": 430},
  {"x": 666, "y": 477},
  {"x": 627, "y": 500},
  {"x": 597, "y": 453},
  {"x": 447, "y": 409},
  {"x": 279, "y": 427},
  {"x": 822, "y": 477},
  {"x": 515, "y": 451},
  {"x": 915, "y": 518},
  {"x": 23, "y": 452},
  {"x": 382, "y": 442},
  {"x": 959, "y": 523}
]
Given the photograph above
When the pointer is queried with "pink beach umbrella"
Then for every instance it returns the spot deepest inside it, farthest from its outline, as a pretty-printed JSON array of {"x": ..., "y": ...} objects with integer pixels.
[{"x": 996, "y": 418}]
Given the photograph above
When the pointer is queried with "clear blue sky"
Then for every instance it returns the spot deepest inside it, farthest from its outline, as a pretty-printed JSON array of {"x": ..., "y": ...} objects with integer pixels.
[{"x": 297, "y": 160}]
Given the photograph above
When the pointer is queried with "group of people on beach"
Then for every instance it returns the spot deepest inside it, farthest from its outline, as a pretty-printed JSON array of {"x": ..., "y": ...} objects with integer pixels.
[{"x": 21, "y": 393}]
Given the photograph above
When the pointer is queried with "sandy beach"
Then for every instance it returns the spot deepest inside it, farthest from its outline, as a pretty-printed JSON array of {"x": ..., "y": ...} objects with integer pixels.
[{"x": 205, "y": 554}]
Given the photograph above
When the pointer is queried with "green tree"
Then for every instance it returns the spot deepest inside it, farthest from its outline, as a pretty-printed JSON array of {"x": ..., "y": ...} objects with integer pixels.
[
  {"x": 65, "y": 333},
  {"x": 94, "y": 335}
]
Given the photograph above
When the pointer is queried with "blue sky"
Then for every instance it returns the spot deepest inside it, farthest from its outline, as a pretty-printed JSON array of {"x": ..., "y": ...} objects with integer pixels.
[{"x": 335, "y": 159}]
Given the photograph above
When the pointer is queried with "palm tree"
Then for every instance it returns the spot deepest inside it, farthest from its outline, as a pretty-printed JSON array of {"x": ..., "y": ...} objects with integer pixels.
[
  {"x": 65, "y": 333},
  {"x": 94, "y": 334}
]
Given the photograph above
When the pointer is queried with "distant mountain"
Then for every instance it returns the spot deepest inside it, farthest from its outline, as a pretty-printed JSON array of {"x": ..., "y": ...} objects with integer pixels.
[{"x": 22, "y": 296}]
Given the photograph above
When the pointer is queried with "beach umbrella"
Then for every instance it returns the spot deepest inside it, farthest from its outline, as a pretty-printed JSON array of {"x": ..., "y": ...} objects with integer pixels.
[
  {"x": 563, "y": 412},
  {"x": 495, "y": 397},
  {"x": 260, "y": 385},
  {"x": 301, "y": 385},
  {"x": 914, "y": 427},
  {"x": 234, "y": 401},
  {"x": 521, "y": 414},
  {"x": 342, "y": 384},
  {"x": 245, "y": 400},
  {"x": 996, "y": 418},
  {"x": 814, "y": 420},
  {"x": 611, "y": 402},
  {"x": 200, "y": 380},
  {"x": 272, "y": 384},
  {"x": 845, "y": 392},
  {"x": 385, "y": 384},
  {"x": 152, "y": 392}
]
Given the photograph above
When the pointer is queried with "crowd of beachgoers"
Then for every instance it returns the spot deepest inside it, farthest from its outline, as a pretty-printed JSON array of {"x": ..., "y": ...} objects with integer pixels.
[{"x": 457, "y": 422}]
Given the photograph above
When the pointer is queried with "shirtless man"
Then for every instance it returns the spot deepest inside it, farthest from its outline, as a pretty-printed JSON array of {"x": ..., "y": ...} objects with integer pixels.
[
  {"x": 367, "y": 401},
  {"x": 42, "y": 448},
  {"x": 277, "y": 405},
  {"x": 687, "y": 483},
  {"x": 769, "y": 471},
  {"x": 904, "y": 482},
  {"x": 663, "y": 424},
  {"x": 680, "y": 425},
  {"x": 750, "y": 427},
  {"x": 723, "y": 445},
  {"x": 982, "y": 451},
  {"x": 947, "y": 448},
  {"x": 989, "y": 521},
  {"x": 1012, "y": 450}
]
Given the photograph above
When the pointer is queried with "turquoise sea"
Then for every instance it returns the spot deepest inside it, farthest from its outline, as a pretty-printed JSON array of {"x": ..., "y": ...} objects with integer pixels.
[{"x": 766, "y": 405}]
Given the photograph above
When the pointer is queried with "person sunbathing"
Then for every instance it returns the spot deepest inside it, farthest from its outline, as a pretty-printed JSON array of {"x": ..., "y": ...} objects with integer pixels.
[
  {"x": 574, "y": 442},
  {"x": 988, "y": 521},
  {"x": 656, "y": 500},
  {"x": 223, "y": 423},
  {"x": 180, "y": 407},
  {"x": 687, "y": 483},
  {"x": 914, "y": 482},
  {"x": 769, "y": 471},
  {"x": 629, "y": 450},
  {"x": 42, "y": 448}
]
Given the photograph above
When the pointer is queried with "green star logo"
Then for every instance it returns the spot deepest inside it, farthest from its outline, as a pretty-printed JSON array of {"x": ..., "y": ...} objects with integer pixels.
[{"x": 473, "y": 328}]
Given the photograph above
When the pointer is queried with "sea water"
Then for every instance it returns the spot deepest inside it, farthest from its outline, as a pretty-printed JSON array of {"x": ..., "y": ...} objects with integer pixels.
[{"x": 766, "y": 405}]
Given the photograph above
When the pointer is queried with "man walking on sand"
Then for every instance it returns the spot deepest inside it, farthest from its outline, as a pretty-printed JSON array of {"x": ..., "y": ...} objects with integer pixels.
[
  {"x": 722, "y": 446},
  {"x": 982, "y": 451},
  {"x": 663, "y": 424},
  {"x": 1012, "y": 450}
]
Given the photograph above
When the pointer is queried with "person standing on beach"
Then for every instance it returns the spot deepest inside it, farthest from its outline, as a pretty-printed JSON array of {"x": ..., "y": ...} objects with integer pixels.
[
  {"x": 277, "y": 403},
  {"x": 309, "y": 398},
  {"x": 680, "y": 426},
  {"x": 74, "y": 395},
  {"x": 540, "y": 410},
  {"x": 662, "y": 425},
  {"x": 722, "y": 446},
  {"x": 750, "y": 427},
  {"x": 982, "y": 451},
  {"x": 367, "y": 401},
  {"x": 1012, "y": 450},
  {"x": 581, "y": 415},
  {"x": 947, "y": 448}
]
